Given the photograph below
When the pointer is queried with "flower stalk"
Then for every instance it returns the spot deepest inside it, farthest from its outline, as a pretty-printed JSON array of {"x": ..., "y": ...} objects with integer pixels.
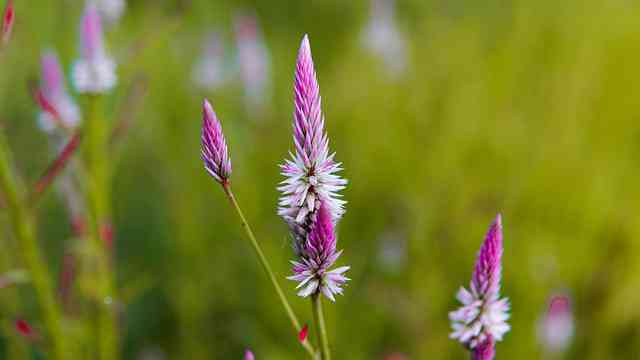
[
  {"x": 267, "y": 268},
  {"x": 217, "y": 163},
  {"x": 24, "y": 228},
  {"x": 98, "y": 197},
  {"x": 321, "y": 328}
]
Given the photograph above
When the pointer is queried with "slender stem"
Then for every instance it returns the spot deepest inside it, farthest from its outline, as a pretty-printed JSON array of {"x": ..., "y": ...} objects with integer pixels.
[
  {"x": 267, "y": 268},
  {"x": 24, "y": 229},
  {"x": 98, "y": 200},
  {"x": 321, "y": 329}
]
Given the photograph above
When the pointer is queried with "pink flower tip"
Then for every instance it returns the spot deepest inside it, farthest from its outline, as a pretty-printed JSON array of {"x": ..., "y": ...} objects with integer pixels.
[
  {"x": 484, "y": 351},
  {"x": 8, "y": 19},
  {"x": 248, "y": 355},
  {"x": 23, "y": 327},
  {"x": 91, "y": 34},
  {"x": 214, "y": 147},
  {"x": 302, "y": 335}
]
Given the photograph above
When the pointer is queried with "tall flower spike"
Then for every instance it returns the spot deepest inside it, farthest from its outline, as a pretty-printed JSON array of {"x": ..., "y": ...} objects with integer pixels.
[
  {"x": 316, "y": 255},
  {"x": 95, "y": 71},
  {"x": 483, "y": 316},
  {"x": 311, "y": 173},
  {"x": 55, "y": 101},
  {"x": 214, "y": 147}
]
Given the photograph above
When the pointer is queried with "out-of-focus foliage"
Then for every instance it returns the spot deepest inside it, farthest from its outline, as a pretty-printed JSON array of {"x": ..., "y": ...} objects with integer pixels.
[{"x": 528, "y": 108}]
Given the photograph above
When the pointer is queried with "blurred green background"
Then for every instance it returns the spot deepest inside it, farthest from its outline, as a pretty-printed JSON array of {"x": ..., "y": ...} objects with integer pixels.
[{"x": 528, "y": 108}]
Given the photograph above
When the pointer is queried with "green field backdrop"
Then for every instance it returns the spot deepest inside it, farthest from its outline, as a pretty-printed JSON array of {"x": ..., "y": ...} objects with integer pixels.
[{"x": 527, "y": 108}]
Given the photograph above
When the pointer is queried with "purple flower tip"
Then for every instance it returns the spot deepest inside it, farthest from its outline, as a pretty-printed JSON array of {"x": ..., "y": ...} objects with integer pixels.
[
  {"x": 248, "y": 355},
  {"x": 91, "y": 34},
  {"x": 483, "y": 314},
  {"x": 52, "y": 76},
  {"x": 484, "y": 351},
  {"x": 488, "y": 269},
  {"x": 214, "y": 147}
]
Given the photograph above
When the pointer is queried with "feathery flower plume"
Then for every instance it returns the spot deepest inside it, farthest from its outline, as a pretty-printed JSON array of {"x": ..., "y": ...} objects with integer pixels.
[
  {"x": 56, "y": 103},
  {"x": 482, "y": 318},
  {"x": 248, "y": 355},
  {"x": 253, "y": 59},
  {"x": 555, "y": 329},
  {"x": 214, "y": 147},
  {"x": 311, "y": 173},
  {"x": 316, "y": 255},
  {"x": 8, "y": 19},
  {"x": 95, "y": 71}
]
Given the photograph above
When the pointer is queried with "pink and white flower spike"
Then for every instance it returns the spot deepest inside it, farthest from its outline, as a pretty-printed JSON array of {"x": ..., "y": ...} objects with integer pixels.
[{"x": 482, "y": 319}]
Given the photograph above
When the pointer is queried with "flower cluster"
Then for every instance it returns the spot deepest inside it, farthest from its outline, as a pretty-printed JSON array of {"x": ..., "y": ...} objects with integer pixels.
[
  {"x": 317, "y": 255},
  {"x": 95, "y": 71},
  {"x": 310, "y": 201},
  {"x": 482, "y": 319},
  {"x": 214, "y": 147}
]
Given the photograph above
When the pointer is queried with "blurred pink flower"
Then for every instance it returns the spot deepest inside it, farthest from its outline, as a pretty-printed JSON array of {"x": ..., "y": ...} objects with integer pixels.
[
  {"x": 483, "y": 316},
  {"x": 95, "y": 71},
  {"x": 8, "y": 18},
  {"x": 556, "y": 328},
  {"x": 248, "y": 355},
  {"x": 253, "y": 59},
  {"x": 211, "y": 70},
  {"x": 56, "y": 103}
]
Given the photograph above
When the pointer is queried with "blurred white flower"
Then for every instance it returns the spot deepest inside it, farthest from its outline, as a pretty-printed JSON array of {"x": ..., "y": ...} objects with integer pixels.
[{"x": 383, "y": 38}]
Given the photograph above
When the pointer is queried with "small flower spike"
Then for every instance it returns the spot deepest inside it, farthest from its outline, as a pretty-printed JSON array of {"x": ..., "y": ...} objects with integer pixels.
[
  {"x": 95, "y": 71},
  {"x": 316, "y": 255},
  {"x": 56, "y": 103},
  {"x": 248, "y": 355},
  {"x": 482, "y": 319},
  {"x": 311, "y": 173},
  {"x": 214, "y": 147},
  {"x": 8, "y": 19}
]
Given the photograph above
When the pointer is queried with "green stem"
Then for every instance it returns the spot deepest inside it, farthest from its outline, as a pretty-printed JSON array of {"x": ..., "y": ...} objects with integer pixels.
[
  {"x": 321, "y": 329},
  {"x": 24, "y": 229},
  {"x": 98, "y": 199},
  {"x": 267, "y": 268}
]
